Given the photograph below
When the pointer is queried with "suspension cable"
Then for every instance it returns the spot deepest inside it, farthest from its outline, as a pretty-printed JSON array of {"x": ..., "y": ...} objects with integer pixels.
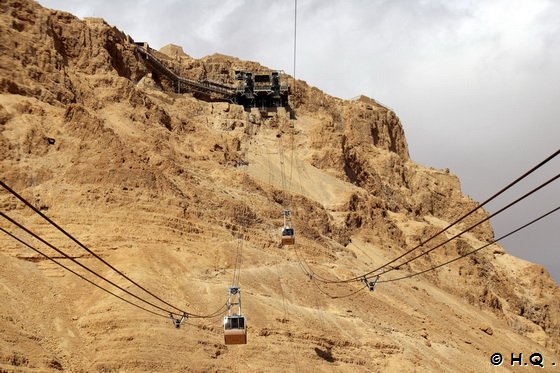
[
  {"x": 542, "y": 163},
  {"x": 295, "y": 89},
  {"x": 295, "y": 41},
  {"x": 37, "y": 211},
  {"x": 79, "y": 275},
  {"x": 470, "y": 228},
  {"x": 243, "y": 230},
  {"x": 218, "y": 312},
  {"x": 475, "y": 250},
  {"x": 310, "y": 272},
  {"x": 313, "y": 278},
  {"x": 359, "y": 278},
  {"x": 28, "y": 231},
  {"x": 78, "y": 263}
]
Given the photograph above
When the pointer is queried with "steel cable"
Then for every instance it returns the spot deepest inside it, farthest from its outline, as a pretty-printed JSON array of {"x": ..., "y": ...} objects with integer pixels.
[
  {"x": 470, "y": 228},
  {"x": 37, "y": 211},
  {"x": 475, "y": 250},
  {"x": 374, "y": 271},
  {"x": 20, "y": 226},
  {"x": 31, "y": 233},
  {"x": 79, "y": 275},
  {"x": 533, "y": 169}
]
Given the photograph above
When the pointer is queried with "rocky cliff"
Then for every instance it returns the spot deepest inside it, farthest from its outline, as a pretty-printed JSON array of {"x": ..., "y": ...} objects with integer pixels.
[{"x": 154, "y": 182}]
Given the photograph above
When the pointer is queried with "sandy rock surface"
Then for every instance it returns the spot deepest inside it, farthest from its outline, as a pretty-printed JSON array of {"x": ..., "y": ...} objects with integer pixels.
[{"x": 163, "y": 186}]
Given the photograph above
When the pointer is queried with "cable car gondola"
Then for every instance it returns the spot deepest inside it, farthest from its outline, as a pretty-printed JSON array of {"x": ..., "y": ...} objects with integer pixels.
[
  {"x": 235, "y": 327},
  {"x": 288, "y": 236},
  {"x": 288, "y": 232}
]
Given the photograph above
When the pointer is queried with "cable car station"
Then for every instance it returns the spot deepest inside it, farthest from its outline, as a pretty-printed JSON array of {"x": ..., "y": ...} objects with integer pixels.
[{"x": 265, "y": 91}]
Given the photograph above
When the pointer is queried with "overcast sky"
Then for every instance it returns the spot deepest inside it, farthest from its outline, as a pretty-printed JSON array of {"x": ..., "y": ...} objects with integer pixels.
[{"x": 475, "y": 83}]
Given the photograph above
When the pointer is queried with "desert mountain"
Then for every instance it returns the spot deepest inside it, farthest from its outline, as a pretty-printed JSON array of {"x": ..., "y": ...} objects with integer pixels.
[{"x": 164, "y": 186}]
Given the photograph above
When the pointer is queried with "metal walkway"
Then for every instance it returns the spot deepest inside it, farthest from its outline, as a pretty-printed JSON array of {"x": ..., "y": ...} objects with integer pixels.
[
  {"x": 263, "y": 91},
  {"x": 208, "y": 89}
]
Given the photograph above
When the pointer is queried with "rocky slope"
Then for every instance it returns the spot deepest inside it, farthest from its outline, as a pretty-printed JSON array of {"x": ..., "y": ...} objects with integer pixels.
[{"x": 152, "y": 181}]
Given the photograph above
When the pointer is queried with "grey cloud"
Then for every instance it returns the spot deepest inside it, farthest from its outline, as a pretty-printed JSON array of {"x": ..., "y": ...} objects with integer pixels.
[{"x": 476, "y": 83}]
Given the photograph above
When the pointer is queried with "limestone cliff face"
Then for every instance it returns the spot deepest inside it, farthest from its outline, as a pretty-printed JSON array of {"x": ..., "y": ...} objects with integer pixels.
[
  {"x": 154, "y": 182},
  {"x": 49, "y": 54}
]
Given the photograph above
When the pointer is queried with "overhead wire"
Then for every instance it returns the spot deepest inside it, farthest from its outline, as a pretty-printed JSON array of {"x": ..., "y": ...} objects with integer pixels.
[
  {"x": 234, "y": 280},
  {"x": 475, "y": 250},
  {"x": 295, "y": 90},
  {"x": 285, "y": 319},
  {"x": 295, "y": 40},
  {"x": 79, "y": 275},
  {"x": 313, "y": 277},
  {"x": 244, "y": 223},
  {"x": 218, "y": 312},
  {"x": 471, "y": 227},
  {"x": 310, "y": 273},
  {"x": 347, "y": 295},
  {"x": 63, "y": 231},
  {"x": 36, "y": 236},
  {"x": 287, "y": 206},
  {"x": 31, "y": 233},
  {"x": 291, "y": 128},
  {"x": 307, "y": 271},
  {"x": 500, "y": 192},
  {"x": 300, "y": 259},
  {"x": 375, "y": 272},
  {"x": 236, "y": 266}
]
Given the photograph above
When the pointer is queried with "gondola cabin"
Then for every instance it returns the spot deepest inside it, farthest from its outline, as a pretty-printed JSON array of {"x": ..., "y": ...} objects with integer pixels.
[
  {"x": 235, "y": 330},
  {"x": 288, "y": 236},
  {"x": 235, "y": 327}
]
